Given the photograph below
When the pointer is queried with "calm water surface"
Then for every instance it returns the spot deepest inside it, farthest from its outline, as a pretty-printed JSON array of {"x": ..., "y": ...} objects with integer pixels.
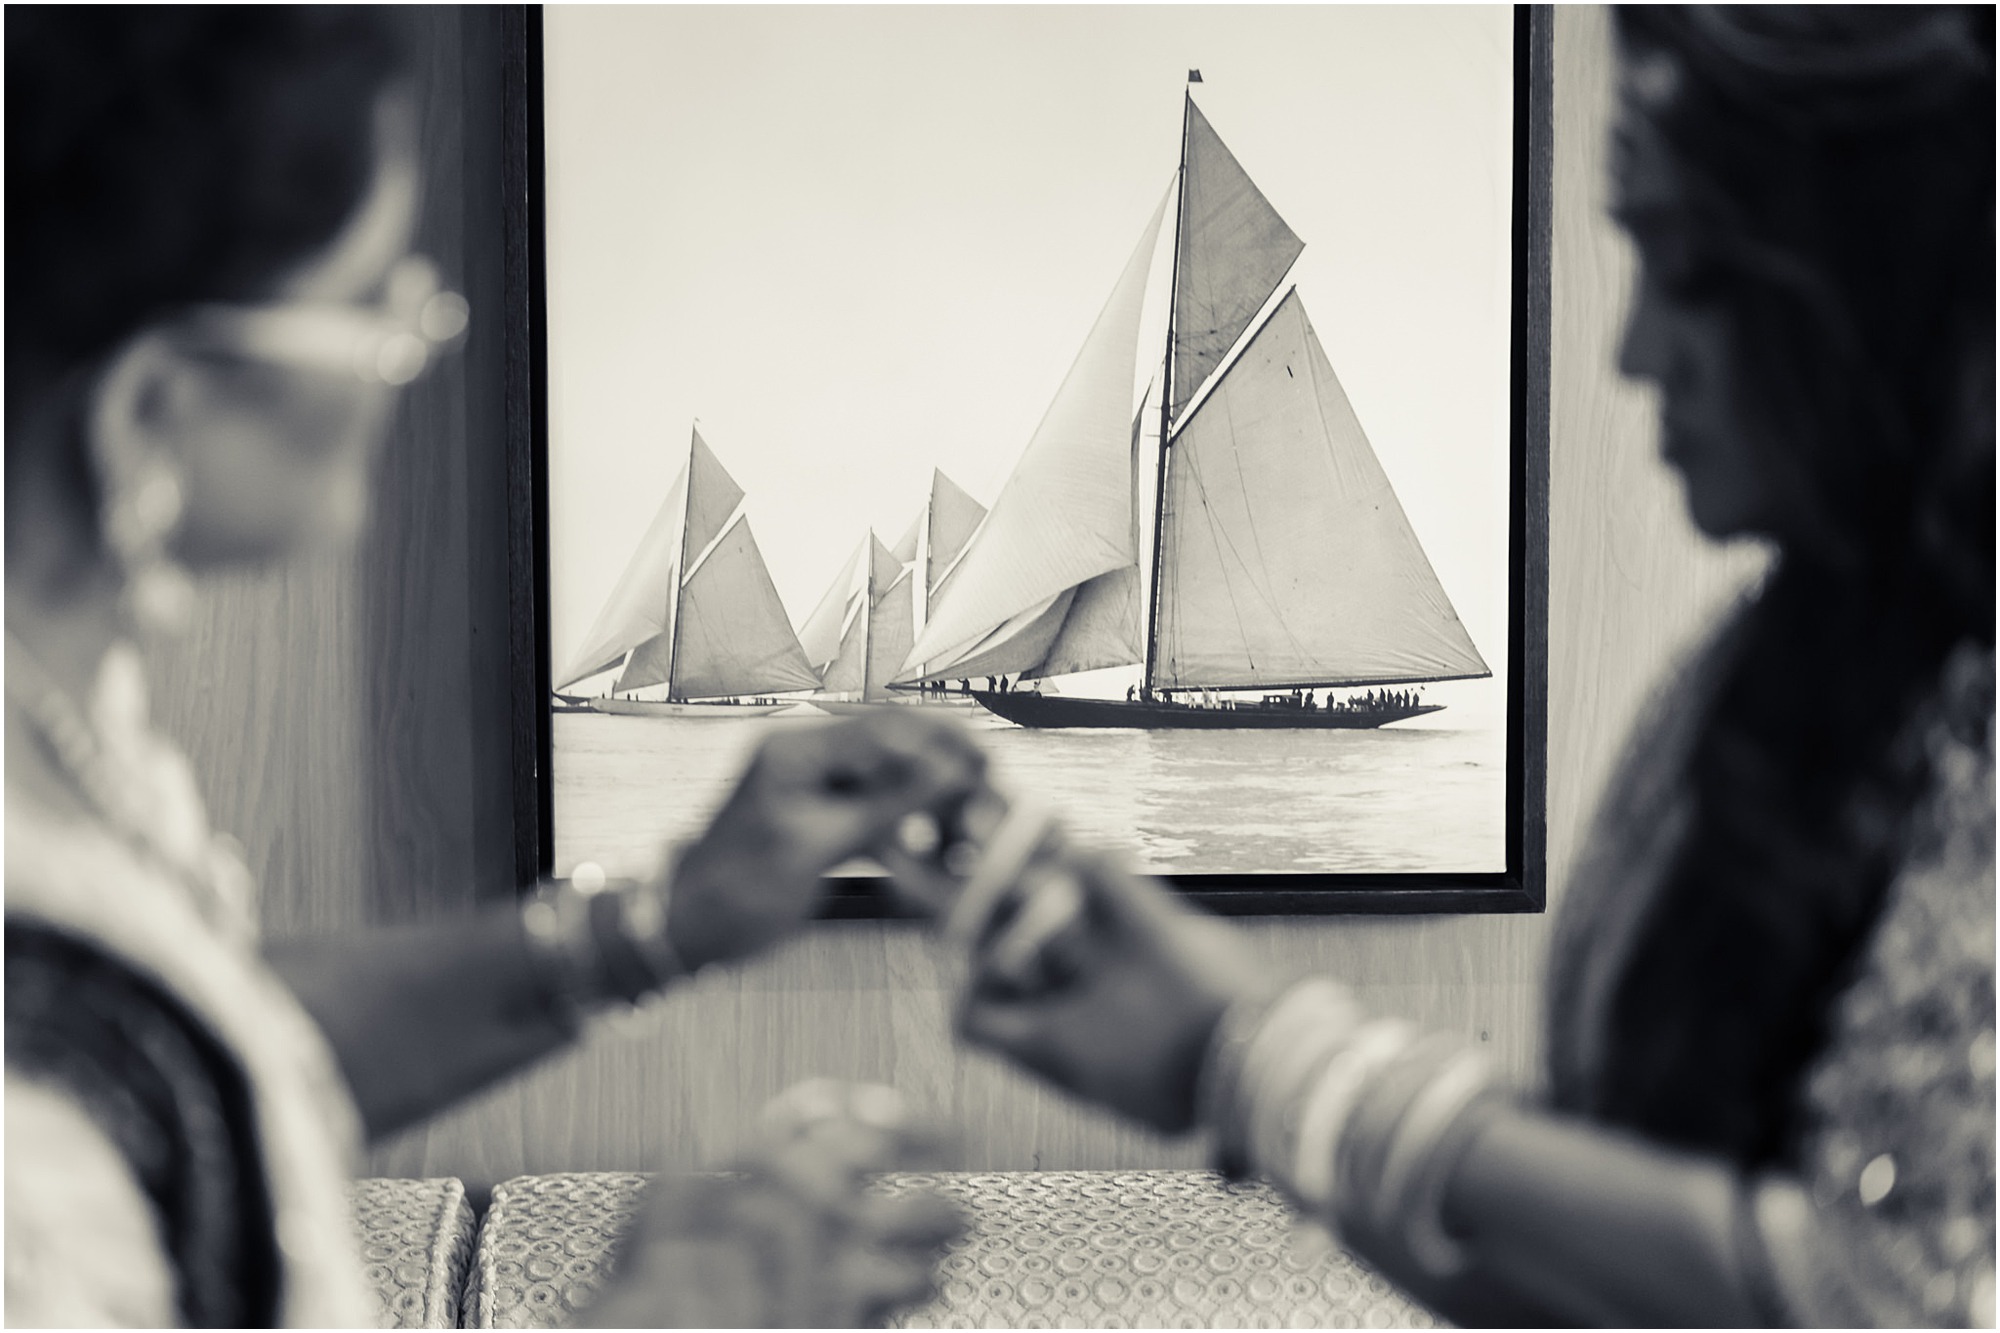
[{"x": 1185, "y": 801}]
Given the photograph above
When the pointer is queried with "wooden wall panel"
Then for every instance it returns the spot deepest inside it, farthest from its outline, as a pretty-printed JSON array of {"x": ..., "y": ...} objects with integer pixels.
[
  {"x": 342, "y": 727},
  {"x": 338, "y": 711}
]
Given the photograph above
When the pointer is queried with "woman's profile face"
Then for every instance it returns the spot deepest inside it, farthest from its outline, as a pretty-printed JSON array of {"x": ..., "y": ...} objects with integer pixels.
[
  {"x": 275, "y": 456},
  {"x": 1679, "y": 338}
]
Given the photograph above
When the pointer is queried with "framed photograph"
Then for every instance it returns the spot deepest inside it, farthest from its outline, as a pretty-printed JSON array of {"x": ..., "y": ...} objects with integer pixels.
[{"x": 1162, "y": 391}]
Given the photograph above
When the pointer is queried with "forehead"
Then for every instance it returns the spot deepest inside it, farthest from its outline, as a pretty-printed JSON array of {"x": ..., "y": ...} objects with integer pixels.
[{"x": 354, "y": 263}]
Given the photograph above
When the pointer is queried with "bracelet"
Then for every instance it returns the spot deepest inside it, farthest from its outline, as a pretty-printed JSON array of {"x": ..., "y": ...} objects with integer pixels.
[
  {"x": 1408, "y": 1131},
  {"x": 549, "y": 928},
  {"x": 1221, "y": 1071},
  {"x": 598, "y": 945},
  {"x": 1374, "y": 1120},
  {"x": 1430, "y": 1140},
  {"x": 1263, "y": 1041},
  {"x": 1430, "y": 1242},
  {"x": 1307, "y": 1023},
  {"x": 1276, "y": 1093},
  {"x": 1329, "y": 1103}
]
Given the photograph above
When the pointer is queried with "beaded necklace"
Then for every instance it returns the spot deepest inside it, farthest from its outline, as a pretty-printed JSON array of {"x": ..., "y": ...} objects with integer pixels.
[{"x": 155, "y": 814}]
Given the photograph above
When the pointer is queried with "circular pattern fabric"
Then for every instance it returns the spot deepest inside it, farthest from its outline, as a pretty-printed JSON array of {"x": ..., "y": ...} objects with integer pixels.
[
  {"x": 1044, "y": 1249},
  {"x": 415, "y": 1238}
]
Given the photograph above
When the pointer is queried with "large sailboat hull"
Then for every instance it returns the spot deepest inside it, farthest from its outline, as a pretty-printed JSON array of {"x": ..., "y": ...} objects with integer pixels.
[
  {"x": 1031, "y": 709},
  {"x": 661, "y": 708}
]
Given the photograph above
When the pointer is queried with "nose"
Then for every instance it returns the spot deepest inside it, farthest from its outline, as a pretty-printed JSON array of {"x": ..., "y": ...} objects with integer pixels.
[{"x": 1644, "y": 348}]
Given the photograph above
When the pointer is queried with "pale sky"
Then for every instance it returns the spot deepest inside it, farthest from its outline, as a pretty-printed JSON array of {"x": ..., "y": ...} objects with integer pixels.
[{"x": 858, "y": 243}]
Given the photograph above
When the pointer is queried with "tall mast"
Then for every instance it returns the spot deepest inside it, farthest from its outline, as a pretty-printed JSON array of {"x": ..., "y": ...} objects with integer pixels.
[
  {"x": 680, "y": 575},
  {"x": 868, "y": 614},
  {"x": 1166, "y": 408}
]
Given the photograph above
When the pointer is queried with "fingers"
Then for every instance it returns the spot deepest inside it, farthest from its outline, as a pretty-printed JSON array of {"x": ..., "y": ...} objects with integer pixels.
[
  {"x": 874, "y": 1283},
  {"x": 1012, "y": 1026},
  {"x": 895, "y": 750},
  {"x": 824, "y": 1137},
  {"x": 918, "y": 1220}
]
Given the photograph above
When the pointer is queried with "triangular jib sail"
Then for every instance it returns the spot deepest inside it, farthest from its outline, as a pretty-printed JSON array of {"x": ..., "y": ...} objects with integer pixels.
[
  {"x": 641, "y": 605},
  {"x": 1285, "y": 556},
  {"x": 1065, "y": 514}
]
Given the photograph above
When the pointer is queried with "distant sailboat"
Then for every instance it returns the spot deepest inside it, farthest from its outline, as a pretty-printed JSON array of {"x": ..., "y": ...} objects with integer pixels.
[
  {"x": 862, "y": 630},
  {"x": 1280, "y": 560},
  {"x": 695, "y": 611}
]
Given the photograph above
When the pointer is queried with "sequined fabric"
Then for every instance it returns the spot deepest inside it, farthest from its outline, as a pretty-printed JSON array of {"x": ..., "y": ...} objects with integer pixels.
[
  {"x": 1045, "y": 1249},
  {"x": 1900, "y": 1157},
  {"x": 416, "y": 1242}
]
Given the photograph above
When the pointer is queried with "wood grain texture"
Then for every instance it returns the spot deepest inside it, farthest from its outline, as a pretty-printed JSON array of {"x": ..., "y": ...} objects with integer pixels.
[
  {"x": 334, "y": 709},
  {"x": 335, "y": 715}
]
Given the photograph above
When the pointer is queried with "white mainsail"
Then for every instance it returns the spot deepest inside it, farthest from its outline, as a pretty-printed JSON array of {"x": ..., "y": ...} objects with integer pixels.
[
  {"x": 1065, "y": 514},
  {"x": 734, "y": 635},
  {"x": 1105, "y": 626},
  {"x": 1285, "y": 556},
  {"x": 695, "y": 609}
]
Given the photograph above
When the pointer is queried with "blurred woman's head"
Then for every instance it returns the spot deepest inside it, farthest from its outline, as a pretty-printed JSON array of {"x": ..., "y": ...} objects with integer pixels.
[
  {"x": 1811, "y": 193},
  {"x": 209, "y": 213}
]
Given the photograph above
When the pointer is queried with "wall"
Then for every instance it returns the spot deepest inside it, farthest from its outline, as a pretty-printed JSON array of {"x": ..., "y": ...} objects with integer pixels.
[
  {"x": 333, "y": 733},
  {"x": 331, "y": 706}
]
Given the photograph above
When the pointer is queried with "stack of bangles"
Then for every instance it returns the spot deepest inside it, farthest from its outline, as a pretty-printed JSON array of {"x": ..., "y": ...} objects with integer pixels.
[
  {"x": 600, "y": 944},
  {"x": 1360, "y": 1120}
]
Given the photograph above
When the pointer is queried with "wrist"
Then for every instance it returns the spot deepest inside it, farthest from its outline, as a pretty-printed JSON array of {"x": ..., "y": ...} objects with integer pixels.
[{"x": 599, "y": 945}]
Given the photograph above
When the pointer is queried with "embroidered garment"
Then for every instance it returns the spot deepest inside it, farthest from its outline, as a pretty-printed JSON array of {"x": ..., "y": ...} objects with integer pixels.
[
  {"x": 1891, "y": 1128},
  {"x": 232, "y": 1069}
]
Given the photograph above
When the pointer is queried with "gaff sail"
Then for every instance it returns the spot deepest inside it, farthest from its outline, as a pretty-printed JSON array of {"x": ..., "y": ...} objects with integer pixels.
[{"x": 734, "y": 634}]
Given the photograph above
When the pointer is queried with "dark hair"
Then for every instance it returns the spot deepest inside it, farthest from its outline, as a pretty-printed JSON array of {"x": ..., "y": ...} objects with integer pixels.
[
  {"x": 161, "y": 156},
  {"x": 1834, "y": 172}
]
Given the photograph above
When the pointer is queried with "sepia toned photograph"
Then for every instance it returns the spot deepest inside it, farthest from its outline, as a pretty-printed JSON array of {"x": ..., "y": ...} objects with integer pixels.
[
  {"x": 801, "y": 667},
  {"x": 1131, "y": 383}
]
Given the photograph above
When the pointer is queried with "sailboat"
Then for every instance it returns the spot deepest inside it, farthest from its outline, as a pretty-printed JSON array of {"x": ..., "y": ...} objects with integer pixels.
[
  {"x": 695, "y": 611},
  {"x": 865, "y": 624},
  {"x": 1280, "y": 558},
  {"x": 861, "y": 629}
]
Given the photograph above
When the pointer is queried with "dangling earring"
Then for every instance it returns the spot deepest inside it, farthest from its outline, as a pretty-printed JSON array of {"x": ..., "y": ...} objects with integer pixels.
[{"x": 142, "y": 501}]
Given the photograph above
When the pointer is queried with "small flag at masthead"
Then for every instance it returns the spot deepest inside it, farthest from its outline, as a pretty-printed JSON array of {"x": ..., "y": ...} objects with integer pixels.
[{"x": 1194, "y": 76}]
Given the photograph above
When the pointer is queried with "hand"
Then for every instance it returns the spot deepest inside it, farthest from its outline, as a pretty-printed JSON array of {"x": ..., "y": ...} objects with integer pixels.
[
  {"x": 1119, "y": 1005},
  {"x": 812, "y": 797},
  {"x": 794, "y": 1241}
]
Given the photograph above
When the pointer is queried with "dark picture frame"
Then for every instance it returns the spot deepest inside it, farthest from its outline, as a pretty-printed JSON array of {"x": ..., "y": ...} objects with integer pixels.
[{"x": 1520, "y": 887}]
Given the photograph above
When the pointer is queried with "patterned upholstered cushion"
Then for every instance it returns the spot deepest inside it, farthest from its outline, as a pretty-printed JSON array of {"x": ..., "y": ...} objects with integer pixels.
[
  {"x": 416, "y": 1244},
  {"x": 1091, "y": 1249}
]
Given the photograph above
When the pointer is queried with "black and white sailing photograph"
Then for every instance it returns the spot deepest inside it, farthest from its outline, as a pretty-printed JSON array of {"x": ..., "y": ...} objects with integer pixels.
[{"x": 1131, "y": 382}]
